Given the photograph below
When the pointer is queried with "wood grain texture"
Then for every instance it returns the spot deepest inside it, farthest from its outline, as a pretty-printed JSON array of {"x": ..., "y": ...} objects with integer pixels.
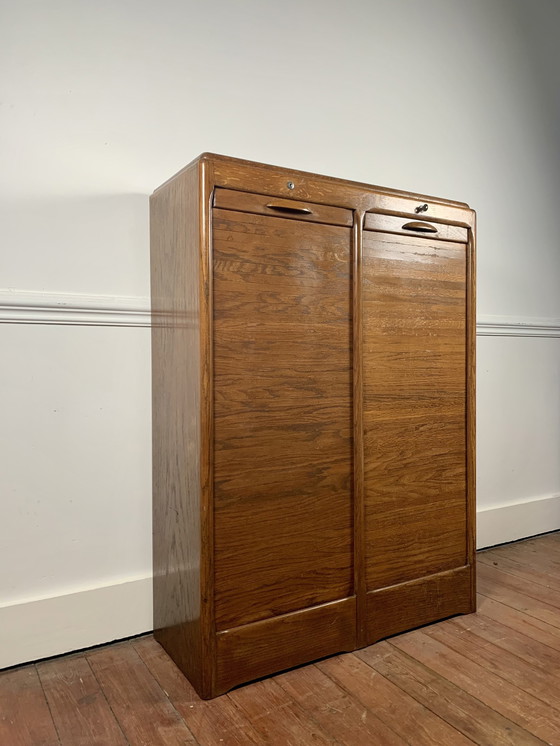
[
  {"x": 520, "y": 621},
  {"x": 261, "y": 648},
  {"x": 278, "y": 719},
  {"x": 261, "y": 204},
  {"x": 77, "y": 703},
  {"x": 234, "y": 173},
  {"x": 438, "y": 211},
  {"x": 207, "y": 436},
  {"x": 512, "y": 668},
  {"x": 526, "y": 558},
  {"x": 471, "y": 407},
  {"x": 406, "y": 605},
  {"x": 334, "y": 710},
  {"x": 212, "y": 722},
  {"x": 517, "y": 599},
  {"x": 310, "y": 420},
  {"x": 360, "y": 549},
  {"x": 541, "y": 574},
  {"x": 25, "y": 718},
  {"x": 176, "y": 421},
  {"x": 283, "y": 416},
  {"x": 541, "y": 657},
  {"x": 410, "y": 720},
  {"x": 465, "y": 713},
  {"x": 538, "y": 549},
  {"x": 522, "y": 708},
  {"x": 393, "y": 224},
  {"x": 414, "y": 407},
  {"x": 490, "y": 576},
  {"x": 145, "y": 715}
]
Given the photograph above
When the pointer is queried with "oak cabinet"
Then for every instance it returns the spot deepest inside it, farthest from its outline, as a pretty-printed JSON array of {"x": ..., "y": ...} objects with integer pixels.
[{"x": 313, "y": 416}]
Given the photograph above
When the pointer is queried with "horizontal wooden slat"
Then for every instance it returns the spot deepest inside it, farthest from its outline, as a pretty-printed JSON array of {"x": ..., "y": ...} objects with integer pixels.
[
  {"x": 395, "y": 224},
  {"x": 264, "y": 647},
  {"x": 261, "y": 204}
]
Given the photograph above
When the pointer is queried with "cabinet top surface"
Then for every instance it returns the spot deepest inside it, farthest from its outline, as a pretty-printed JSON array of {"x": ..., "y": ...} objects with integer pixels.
[{"x": 224, "y": 164}]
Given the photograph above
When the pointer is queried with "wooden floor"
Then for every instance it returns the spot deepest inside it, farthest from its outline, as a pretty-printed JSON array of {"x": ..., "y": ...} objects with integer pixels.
[{"x": 489, "y": 678}]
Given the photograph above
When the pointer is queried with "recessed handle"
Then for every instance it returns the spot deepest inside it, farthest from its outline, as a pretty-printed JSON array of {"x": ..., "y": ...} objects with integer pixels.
[
  {"x": 420, "y": 227},
  {"x": 290, "y": 207}
]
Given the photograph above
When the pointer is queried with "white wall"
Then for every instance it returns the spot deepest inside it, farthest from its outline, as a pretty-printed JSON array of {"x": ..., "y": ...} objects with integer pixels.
[{"x": 103, "y": 101}]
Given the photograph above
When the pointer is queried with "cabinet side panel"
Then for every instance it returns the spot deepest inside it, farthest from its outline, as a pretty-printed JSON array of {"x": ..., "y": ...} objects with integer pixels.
[{"x": 176, "y": 420}]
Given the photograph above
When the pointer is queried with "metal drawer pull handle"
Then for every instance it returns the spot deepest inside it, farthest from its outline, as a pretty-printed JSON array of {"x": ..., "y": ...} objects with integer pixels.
[
  {"x": 283, "y": 207},
  {"x": 420, "y": 227}
]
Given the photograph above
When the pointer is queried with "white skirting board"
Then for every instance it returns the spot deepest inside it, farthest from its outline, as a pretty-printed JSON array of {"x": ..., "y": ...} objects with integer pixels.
[
  {"x": 518, "y": 520},
  {"x": 50, "y": 626}
]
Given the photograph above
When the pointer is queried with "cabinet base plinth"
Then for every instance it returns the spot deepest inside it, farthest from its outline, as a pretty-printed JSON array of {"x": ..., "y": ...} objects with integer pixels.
[
  {"x": 401, "y": 607},
  {"x": 265, "y": 647}
]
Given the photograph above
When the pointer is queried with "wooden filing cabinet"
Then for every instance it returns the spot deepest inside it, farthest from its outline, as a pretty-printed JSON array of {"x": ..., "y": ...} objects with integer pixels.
[{"x": 313, "y": 416}]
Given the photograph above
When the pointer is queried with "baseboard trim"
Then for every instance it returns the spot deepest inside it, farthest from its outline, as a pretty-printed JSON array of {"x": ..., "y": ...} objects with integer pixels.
[
  {"x": 51, "y": 626},
  {"x": 506, "y": 523}
]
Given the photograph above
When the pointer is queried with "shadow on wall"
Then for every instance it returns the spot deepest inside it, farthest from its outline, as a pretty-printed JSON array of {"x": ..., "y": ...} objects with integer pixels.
[{"x": 538, "y": 23}]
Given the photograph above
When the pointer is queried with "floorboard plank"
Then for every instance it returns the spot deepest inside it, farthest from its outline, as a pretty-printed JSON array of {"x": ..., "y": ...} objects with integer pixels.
[
  {"x": 143, "y": 711},
  {"x": 25, "y": 718},
  {"x": 513, "y": 703},
  {"x": 525, "y": 569},
  {"x": 534, "y": 553},
  {"x": 547, "y": 596},
  {"x": 540, "y": 543},
  {"x": 469, "y": 715},
  {"x": 79, "y": 708},
  {"x": 519, "y": 621},
  {"x": 278, "y": 719},
  {"x": 492, "y": 587},
  {"x": 413, "y": 722},
  {"x": 214, "y": 722},
  {"x": 500, "y": 661},
  {"x": 335, "y": 711},
  {"x": 541, "y": 657},
  {"x": 551, "y": 539}
]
